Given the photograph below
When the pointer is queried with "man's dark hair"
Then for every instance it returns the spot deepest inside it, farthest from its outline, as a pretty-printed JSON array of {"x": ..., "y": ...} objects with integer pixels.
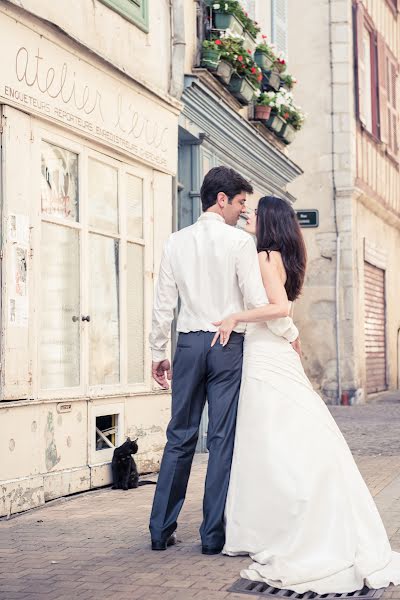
[{"x": 222, "y": 179}]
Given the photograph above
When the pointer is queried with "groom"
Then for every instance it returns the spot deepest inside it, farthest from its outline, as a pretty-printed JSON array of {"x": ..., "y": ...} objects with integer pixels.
[{"x": 214, "y": 270}]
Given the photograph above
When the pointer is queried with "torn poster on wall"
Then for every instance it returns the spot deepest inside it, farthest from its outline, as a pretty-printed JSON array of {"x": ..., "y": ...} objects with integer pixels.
[{"x": 18, "y": 300}]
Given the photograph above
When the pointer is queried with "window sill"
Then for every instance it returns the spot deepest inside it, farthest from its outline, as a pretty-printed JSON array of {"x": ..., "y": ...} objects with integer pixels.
[
  {"x": 394, "y": 9},
  {"x": 369, "y": 134},
  {"x": 393, "y": 158},
  {"x": 6, "y": 404},
  {"x": 380, "y": 146}
]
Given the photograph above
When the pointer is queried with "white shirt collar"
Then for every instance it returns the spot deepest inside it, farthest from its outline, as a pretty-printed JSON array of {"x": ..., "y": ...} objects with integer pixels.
[{"x": 211, "y": 216}]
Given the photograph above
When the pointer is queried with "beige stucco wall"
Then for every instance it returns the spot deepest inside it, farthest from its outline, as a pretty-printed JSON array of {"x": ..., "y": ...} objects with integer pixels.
[
  {"x": 309, "y": 60},
  {"x": 143, "y": 56},
  {"x": 319, "y": 91}
]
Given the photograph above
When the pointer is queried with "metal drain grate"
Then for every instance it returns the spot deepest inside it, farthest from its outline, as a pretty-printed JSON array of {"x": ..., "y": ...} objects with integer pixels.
[{"x": 257, "y": 588}]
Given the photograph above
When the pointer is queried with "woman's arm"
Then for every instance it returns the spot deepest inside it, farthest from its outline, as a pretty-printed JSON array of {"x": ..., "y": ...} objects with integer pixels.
[{"x": 273, "y": 275}]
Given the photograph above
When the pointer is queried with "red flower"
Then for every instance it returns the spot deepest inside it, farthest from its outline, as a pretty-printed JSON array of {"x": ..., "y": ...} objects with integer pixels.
[
  {"x": 240, "y": 58},
  {"x": 253, "y": 70},
  {"x": 249, "y": 51},
  {"x": 282, "y": 61},
  {"x": 218, "y": 42},
  {"x": 264, "y": 37},
  {"x": 259, "y": 78},
  {"x": 286, "y": 115},
  {"x": 246, "y": 13}
]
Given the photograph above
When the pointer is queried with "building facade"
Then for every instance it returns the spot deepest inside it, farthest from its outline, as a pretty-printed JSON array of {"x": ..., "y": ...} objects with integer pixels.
[
  {"x": 346, "y": 57},
  {"x": 108, "y": 125},
  {"x": 89, "y": 122}
]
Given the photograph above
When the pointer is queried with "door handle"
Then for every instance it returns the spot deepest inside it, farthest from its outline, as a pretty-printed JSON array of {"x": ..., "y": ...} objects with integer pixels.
[{"x": 87, "y": 318}]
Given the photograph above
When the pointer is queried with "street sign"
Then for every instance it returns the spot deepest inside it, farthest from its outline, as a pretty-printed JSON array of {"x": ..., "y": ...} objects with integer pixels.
[{"x": 308, "y": 218}]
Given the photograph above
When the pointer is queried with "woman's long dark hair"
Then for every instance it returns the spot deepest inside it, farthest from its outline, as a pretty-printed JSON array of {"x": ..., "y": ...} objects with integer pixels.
[{"x": 278, "y": 229}]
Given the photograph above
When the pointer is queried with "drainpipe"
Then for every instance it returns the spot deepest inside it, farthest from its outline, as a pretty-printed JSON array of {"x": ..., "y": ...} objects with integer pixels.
[
  {"x": 334, "y": 200},
  {"x": 177, "y": 71}
]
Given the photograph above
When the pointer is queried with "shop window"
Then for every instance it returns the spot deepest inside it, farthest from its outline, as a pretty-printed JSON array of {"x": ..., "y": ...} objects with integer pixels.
[
  {"x": 104, "y": 339},
  {"x": 136, "y": 11},
  {"x": 60, "y": 307},
  {"x": 106, "y": 431},
  {"x": 92, "y": 270},
  {"x": 60, "y": 268}
]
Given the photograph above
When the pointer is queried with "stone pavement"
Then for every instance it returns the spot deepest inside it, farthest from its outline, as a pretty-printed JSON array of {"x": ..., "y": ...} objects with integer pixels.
[{"x": 96, "y": 545}]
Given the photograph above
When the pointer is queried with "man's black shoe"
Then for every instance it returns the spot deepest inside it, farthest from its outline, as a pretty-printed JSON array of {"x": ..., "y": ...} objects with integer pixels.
[
  {"x": 160, "y": 545},
  {"x": 208, "y": 550}
]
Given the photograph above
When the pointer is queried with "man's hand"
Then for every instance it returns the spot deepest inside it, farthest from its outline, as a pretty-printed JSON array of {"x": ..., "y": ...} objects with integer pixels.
[
  {"x": 296, "y": 345},
  {"x": 158, "y": 371}
]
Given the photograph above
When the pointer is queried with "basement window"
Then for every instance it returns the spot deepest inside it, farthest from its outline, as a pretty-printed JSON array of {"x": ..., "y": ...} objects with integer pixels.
[{"x": 106, "y": 431}]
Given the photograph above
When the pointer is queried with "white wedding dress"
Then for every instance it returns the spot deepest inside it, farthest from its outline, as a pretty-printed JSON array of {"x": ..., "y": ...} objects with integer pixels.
[{"x": 297, "y": 503}]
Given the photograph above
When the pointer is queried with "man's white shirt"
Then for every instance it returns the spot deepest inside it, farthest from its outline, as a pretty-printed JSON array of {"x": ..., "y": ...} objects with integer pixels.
[{"x": 213, "y": 268}]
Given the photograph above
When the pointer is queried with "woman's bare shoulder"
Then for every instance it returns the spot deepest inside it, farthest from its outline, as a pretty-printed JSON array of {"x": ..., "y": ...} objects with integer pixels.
[
  {"x": 272, "y": 260},
  {"x": 272, "y": 256}
]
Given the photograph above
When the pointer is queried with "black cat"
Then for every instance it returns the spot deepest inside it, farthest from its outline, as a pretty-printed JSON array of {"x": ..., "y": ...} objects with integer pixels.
[{"x": 124, "y": 469}]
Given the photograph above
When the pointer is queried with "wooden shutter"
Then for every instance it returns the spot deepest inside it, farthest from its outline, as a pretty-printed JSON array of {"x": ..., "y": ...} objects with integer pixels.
[
  {"x": 136, "y": 11},
  {"x": 393, "y": 117},
  {"x": 280, "y": 24},
  {"x": 383, "y": 90},
  {"x": 359, "y": 16},
  {"x": 374, "y": 325}
]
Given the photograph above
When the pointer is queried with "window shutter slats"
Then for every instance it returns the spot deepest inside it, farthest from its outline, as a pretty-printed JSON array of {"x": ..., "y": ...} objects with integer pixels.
[
  {"x": 279, "y": 24},
  {"x": 393, "y": 111},
  {"x": 383, "y": 90},
  {"x": 360, "y": 61}
]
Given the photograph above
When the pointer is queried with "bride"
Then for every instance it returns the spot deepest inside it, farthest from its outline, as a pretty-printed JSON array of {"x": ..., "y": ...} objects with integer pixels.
[{"x": 297, "y": 503}]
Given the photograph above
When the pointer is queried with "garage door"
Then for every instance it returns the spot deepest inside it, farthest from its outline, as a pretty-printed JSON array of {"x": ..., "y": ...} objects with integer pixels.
[{"x": 375, "y": 339}]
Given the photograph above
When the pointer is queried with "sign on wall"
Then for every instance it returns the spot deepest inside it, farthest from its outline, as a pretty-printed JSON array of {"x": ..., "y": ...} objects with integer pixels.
[
  {"x": 308, "y": 218},
  {"x": 43, "y": 78}
]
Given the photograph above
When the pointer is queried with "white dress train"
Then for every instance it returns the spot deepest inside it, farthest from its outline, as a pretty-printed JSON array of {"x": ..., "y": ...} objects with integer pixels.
[{"x": 297, "y": 503}]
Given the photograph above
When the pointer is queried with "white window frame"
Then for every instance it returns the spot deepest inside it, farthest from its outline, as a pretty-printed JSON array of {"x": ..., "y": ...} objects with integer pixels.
[{"x": 84, "y": 150}]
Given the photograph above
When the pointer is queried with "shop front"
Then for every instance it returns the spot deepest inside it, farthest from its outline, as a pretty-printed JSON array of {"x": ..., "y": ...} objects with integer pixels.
[{"x": 88, "y": 158}]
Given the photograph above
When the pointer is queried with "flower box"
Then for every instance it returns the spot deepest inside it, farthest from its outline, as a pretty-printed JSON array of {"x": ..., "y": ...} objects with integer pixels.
[
  {"x": 224, "y": 71},
  {"x": 241, "y": 88},
  {"x": 261, "y": 112},
  {"x": 263, "y": 60},
  {"x": 227, "y": 21},
  {"x": 210, "y": 58},
  {"x": 275, "y": 123},
  {"x": 280, "y": 66},
  {"x": 287, "y": 133},
  {"x": 271, "y": 80},
  {"x": 249, "y": 43}
]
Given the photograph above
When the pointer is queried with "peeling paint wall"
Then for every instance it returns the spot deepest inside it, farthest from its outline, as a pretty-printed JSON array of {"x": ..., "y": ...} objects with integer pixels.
[{"x": 45, "y": 454}]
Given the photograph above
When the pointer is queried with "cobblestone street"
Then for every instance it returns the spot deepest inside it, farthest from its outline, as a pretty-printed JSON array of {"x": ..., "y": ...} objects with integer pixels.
[{"x": 96, "y": 545}]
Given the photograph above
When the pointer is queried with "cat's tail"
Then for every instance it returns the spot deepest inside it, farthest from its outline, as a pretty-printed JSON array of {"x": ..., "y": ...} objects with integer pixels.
[{"x": 147, "y": 483}]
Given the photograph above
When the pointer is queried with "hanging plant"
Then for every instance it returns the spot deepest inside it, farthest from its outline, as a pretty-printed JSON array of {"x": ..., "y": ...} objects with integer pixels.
[{"x": 288, "y": 81}]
